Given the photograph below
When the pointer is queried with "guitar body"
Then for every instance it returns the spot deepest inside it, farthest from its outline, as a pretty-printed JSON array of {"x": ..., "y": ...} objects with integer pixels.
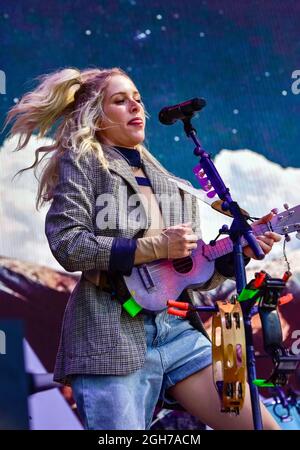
[{"x": 153, "y": 284}]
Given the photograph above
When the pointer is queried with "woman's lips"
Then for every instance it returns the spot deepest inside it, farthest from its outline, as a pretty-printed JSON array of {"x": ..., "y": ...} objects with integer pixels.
[{"x": 137, "y": 123}]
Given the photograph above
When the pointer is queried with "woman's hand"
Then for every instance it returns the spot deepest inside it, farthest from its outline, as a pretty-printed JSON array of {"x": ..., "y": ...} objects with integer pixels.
[
  {"x": 179, "y": 241},
  {"x": 266, "y": 241},
  {"x": 173, "y": 242}
]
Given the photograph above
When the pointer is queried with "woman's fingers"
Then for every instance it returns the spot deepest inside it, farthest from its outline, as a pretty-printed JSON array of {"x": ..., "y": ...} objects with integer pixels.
[
  {"x": 181, "y": 240},
  {"x": 275, "y": 236},
  {"x": 265, "y": 247},
  {"x": 191, "y": 237},
  {"x": 266, "y": 240}
]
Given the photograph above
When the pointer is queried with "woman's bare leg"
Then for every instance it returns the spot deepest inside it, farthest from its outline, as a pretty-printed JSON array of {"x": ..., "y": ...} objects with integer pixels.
[{"x": 198, "y": 395}]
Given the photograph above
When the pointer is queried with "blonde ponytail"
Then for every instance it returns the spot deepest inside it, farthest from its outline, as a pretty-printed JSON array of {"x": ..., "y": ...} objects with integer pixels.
[{"x": 40, "y": 109}]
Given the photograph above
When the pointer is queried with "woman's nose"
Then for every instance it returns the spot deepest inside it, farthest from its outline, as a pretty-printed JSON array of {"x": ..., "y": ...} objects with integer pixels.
[{"x": 135, "y": 106}]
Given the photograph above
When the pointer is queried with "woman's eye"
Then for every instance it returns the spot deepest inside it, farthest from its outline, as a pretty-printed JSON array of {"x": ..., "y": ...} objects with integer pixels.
[{"x": 122, "y": 101}]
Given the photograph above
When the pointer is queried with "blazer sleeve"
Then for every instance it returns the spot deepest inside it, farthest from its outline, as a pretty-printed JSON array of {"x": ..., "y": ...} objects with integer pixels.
[{"x": 69, "y": 225}]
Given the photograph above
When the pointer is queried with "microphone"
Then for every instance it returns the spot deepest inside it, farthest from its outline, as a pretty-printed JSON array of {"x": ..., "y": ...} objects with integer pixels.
[{"x": 170, "y": 114}]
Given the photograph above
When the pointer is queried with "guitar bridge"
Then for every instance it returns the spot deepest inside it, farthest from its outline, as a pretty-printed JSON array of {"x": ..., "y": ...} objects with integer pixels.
[{"x": 146, "y": 278}]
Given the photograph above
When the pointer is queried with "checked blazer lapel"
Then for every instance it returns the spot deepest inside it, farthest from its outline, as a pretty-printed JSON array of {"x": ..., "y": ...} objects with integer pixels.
[
  {"x": 165, "y": 189},
  {"x": 162, "y": 187},
  {"x": 119, "y": 165}
]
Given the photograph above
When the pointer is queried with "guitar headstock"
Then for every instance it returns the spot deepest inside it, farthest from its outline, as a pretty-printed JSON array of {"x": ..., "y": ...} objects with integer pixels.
[{"x": 287, "y": 221}]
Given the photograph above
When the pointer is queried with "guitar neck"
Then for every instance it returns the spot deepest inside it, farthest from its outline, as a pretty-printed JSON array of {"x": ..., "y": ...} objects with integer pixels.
[{"x": 224, "y": 246}]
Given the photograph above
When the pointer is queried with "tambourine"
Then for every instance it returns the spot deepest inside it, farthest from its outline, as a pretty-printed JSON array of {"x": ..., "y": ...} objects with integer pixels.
[{"x": 229, "y": 355}]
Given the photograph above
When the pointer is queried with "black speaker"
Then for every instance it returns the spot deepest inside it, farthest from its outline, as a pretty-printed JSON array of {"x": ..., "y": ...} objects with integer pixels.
[{"x": 13, "y": 381}]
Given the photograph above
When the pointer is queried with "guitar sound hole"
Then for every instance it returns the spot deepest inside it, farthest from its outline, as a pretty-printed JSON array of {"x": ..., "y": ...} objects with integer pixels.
[{"x": 183, "y": 265}]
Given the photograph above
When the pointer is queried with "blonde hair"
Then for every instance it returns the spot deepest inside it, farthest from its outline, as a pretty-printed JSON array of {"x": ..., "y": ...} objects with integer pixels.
[{"x": 74, "y": 98}]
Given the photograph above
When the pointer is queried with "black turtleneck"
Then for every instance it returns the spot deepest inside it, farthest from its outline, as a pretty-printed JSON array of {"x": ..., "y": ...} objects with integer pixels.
[{"x": 132, "y": 156}]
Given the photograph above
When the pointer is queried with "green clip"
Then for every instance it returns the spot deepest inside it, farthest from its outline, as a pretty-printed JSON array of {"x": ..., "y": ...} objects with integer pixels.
[
  {"x": 132, "y": 307},
  {"x": 246, "y": 294},
  {"x": 263, "y": 383}
]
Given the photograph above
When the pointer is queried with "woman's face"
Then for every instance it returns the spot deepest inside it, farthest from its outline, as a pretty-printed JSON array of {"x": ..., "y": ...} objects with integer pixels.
[{"x": 122, "y": 104}]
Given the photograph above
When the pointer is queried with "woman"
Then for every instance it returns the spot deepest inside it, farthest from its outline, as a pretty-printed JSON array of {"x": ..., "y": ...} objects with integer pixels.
[{"x": 118, "y": 365}]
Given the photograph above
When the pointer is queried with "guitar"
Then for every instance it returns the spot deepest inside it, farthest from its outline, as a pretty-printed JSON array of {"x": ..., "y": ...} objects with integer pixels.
[{"x": 153, "y": 284}]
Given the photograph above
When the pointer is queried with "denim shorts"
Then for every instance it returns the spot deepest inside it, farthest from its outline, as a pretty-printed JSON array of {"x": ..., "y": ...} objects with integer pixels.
[{"x": 175, "y": 350}]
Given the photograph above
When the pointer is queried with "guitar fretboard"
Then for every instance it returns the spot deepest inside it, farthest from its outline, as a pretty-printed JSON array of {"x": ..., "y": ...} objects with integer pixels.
[{"x": 224, "y": 246}]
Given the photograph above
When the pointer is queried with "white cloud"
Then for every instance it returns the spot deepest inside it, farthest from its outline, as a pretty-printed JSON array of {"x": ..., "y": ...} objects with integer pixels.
[{"x": 22, "y": 227}]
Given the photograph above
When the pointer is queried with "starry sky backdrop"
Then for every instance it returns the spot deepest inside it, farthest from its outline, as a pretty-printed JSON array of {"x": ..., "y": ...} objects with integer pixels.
[{"x": 239, "y": 56}]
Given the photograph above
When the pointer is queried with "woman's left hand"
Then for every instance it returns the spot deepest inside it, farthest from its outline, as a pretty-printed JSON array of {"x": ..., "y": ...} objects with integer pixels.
[{"x": 266, "y": 240}]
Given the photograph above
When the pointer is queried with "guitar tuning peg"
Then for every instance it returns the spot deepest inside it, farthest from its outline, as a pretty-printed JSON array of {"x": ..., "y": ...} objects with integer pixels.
[
  {"x": 287, "y": 237},
  {"x": 286, "y": 206},
  {"x": 275, "y": 210}
]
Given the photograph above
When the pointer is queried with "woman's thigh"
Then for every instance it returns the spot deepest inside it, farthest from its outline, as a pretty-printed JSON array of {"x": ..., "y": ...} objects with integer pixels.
[{"x": 198, "y": 395}]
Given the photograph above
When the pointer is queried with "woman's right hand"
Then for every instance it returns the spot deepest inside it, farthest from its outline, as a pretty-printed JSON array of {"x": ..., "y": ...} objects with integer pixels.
[
  {"x": 177, "y": 241},
  {"x": 173, "y": 242}
]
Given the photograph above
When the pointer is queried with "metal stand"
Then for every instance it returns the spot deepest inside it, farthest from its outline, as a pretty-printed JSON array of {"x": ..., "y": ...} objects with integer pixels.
[{"x": 239, "y": 229}]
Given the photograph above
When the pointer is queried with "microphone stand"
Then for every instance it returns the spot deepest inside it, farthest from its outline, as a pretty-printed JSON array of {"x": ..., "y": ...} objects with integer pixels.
[{"x": 239, "y": 229}]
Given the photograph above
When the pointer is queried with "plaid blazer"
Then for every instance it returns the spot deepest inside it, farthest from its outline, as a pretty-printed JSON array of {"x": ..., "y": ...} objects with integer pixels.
[{"x": 98, "y": 336}]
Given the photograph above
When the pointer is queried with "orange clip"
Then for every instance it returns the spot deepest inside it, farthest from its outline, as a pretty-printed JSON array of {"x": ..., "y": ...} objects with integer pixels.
[
  {"x": 287, "y": 275},
  {"x": 177, "y": 312},
  {"x": 179, "y": 305},
  {"x": 285, "y": 299},
  {"x": 259, "y": 279}
]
